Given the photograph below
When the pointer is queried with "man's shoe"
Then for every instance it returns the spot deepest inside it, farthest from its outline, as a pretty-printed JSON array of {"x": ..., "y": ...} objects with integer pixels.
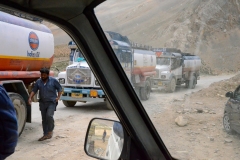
[
  {"x": 49, "y": 135},
  {"x": 43, "y": 138}
]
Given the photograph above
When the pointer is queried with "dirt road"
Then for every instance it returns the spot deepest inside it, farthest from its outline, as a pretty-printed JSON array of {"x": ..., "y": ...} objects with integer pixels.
[{"x": 71, "y": 125}]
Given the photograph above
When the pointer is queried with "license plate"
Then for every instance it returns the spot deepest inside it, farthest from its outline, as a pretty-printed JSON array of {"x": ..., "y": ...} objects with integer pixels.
[
  {"x": 160, "y": 83},
  {"x": 77, "y": 95}
]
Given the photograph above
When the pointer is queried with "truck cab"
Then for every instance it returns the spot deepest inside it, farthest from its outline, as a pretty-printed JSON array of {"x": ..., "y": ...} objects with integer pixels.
[
  {"x": 78, "y": 82},
  {"x": 169, "y": 64}
]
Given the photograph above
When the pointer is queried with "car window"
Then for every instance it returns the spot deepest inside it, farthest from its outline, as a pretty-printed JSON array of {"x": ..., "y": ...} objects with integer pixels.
[
  {"x": 181, "y": 79},
  {"x": 237, "y": 93}
]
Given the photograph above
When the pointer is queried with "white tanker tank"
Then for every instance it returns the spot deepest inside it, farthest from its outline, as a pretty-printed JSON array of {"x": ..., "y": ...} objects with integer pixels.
[
  {"x": 26, "y": 46},
  {"x": 191, "y": 63},
  {"x": 144, "y": 62}
]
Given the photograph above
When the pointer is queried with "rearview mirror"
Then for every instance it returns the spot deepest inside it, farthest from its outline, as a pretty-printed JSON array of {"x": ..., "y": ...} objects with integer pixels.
[
  {"x": 104, "y": 139},
  {"x": 229, "y": 94}
]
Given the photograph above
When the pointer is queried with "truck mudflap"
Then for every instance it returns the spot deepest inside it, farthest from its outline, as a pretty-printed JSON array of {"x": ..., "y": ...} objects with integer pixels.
[{"x": 82, "y": 95}]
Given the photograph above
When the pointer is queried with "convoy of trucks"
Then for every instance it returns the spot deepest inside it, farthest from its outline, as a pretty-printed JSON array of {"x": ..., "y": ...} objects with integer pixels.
[
  {"x": 146, "y": 68},
  {"x": 79, "y": 82},
  {"x": 26, "y": 46}
]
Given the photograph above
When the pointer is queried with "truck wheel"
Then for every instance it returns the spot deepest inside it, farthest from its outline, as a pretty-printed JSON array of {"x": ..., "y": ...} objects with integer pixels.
[
  {"x": 172, "y": 85},
  {"x": 108, "y": 105},
  {"x": 69, "y": 103},
  {"x": 145, "y": 91},
  {"x": 21, "y": 110},
  {"x": 192, "y": 82}
]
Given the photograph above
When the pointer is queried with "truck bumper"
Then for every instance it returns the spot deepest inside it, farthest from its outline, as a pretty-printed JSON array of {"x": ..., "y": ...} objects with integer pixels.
[
  {"x": 83, "y": 95},
  {"x": 159, "y": 83}
]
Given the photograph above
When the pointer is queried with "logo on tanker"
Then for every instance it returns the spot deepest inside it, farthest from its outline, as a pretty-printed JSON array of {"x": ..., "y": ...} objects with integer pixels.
[{"x": 33, "y": 41}]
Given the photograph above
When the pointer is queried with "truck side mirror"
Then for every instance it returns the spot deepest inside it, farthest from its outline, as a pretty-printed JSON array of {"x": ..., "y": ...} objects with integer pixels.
[{"x": 104, "y": 139}]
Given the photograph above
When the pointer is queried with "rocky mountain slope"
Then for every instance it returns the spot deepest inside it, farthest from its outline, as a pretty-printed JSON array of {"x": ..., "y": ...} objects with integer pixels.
[{"x": 208, "y": 28}]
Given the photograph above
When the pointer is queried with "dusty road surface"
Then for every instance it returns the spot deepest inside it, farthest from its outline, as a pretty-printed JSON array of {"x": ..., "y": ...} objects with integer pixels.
[
  {"x": 71, "y": 125},
  {"x": 69, "y": 133}
]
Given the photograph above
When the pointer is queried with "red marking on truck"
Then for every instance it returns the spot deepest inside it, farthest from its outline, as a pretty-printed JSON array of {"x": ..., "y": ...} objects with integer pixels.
[
  {"x": 158, "y": 54},
  {"x": 18, "y": 63},
  {"x": 141, "y": 70},
  {"x": 21, "y": 74}
]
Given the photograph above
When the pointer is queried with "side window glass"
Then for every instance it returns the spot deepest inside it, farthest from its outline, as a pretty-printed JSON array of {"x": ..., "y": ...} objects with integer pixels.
[
  {"x": 237, "y": 94},
  {"x": 174, "y": 63}
]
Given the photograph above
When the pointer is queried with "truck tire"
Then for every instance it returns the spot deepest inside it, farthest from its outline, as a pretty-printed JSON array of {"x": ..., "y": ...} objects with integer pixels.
[
  {"x": 192, "y": 82},
  {"x": 69, "y": 103},
  {"x": 108, "y": 105},
  {"x": 145, "y": 91},
  {"x": 172, "y": 85},
  {"x": 21, "y": 110}
]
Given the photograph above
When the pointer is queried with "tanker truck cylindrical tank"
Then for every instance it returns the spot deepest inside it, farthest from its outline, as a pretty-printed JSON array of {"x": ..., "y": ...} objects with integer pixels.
[
  {"x": 144, "y": 61},
  {"x": 191, "y": 63},
  {"x": 25, "y": 45}
]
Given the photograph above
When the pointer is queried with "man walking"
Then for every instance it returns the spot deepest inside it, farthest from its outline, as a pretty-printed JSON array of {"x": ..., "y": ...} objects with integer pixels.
[
  {"x": 104, "y": 135},
  {"x": 48, "y": 87}
]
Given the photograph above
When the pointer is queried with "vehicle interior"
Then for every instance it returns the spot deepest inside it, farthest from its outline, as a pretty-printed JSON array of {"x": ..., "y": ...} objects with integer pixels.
[
  {"x": 181, "y": 112},
  {"x": 77, "y": 18}
]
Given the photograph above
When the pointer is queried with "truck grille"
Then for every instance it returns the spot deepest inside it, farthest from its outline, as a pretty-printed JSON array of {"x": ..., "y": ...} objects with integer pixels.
[{"x": 79, "y": 76}]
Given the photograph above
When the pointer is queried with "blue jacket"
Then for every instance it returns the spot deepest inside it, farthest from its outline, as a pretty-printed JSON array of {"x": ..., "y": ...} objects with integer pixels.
[
  {"x": 48, "y": 92},
  {"x": 8, "y": 125}
]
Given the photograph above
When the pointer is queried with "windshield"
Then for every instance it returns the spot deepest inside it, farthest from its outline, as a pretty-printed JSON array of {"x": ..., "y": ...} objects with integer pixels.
[
  {"x": 179, "y": 99},
  {"x": 78, "y": 56},
  {"x": 163, "y": 61}
]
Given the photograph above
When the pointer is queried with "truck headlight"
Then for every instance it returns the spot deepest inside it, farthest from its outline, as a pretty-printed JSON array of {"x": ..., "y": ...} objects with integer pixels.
[
  {"x": 96, "y": 83},
  {"x": 163, "y": 76},
  {"x": 61, "y": 80}
]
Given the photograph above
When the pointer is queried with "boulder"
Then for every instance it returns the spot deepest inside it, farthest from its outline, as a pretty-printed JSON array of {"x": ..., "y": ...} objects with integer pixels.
[{"x": 181, "y": 121}]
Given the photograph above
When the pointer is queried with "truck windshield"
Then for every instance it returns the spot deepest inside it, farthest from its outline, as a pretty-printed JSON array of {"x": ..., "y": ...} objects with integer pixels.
[
  {"x": 78, "y": 56},
  {"x": 163, "y": 61}
]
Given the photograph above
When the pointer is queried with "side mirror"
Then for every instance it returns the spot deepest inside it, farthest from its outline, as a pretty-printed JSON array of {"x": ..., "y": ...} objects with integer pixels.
[
  {"x": 229, "y": 94},
  {"x": 104, "y": 139}
]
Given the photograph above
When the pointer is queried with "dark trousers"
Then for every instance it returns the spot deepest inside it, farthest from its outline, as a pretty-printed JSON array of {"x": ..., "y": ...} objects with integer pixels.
[{"x": 47, "y": 110}]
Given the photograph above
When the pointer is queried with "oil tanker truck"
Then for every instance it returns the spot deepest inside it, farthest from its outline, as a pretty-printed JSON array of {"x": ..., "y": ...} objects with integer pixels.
[
  {"x": 176, "y": 68},
  {"x": 26, "y": 46},
  {"x": 80, "y": 85}
]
